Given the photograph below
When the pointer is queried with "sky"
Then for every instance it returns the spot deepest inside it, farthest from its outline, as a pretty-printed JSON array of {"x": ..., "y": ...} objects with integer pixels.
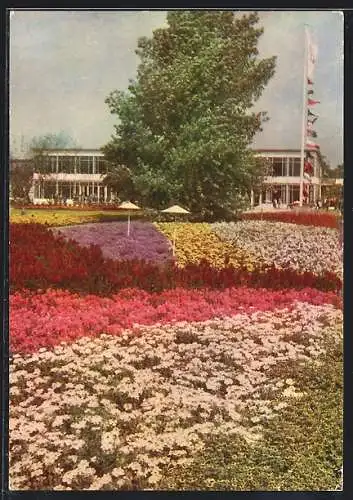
[{"x": 63, "y": 65}]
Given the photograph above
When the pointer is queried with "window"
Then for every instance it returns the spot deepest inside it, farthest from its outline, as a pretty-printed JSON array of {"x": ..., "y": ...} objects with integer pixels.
[
  {"x": 53, "y": 164},
  {"x": 101, "y": 165},
  {"x": 66, "y": 164},
  {"x": 279, "y": 167},
  {"x": 282, "y": 191},
  {"x": 294, "y": 167},
  {"x": 84, "y": 164},
  {"x": 294, "y": 193}
]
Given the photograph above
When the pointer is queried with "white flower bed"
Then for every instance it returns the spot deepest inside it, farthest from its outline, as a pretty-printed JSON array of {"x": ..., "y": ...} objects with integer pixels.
[{"x": 304, "y": 248}]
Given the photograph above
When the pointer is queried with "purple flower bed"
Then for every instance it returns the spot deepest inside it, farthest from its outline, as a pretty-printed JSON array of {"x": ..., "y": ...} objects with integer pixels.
[{"x": 144, "y": 243}]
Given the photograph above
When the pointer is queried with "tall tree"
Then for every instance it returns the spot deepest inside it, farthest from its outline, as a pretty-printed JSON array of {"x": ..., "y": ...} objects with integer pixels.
[
  {"x": 21, "y": 179},
  {"x": 185, "y": 123}
]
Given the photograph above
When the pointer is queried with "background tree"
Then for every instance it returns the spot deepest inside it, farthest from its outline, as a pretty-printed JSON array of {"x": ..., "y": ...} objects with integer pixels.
[
  {"x": 328, "y": 171},
  {"x": 185, "y": 125},
  {"x": 21, "y": 179},
  {"x": 39, "y": 146}
]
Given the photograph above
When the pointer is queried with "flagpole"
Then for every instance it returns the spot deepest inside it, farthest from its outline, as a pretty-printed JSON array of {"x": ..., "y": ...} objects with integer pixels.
[{"x": 304, "y": 118}]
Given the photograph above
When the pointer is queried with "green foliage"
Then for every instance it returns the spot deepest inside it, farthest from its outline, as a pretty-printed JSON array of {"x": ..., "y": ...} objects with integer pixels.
[
  {"x": 52, "y": 141},
  {"x": 185, "y": 125},
  {"x": 21, "y": 175},
  {"x": 301, "y": 448}
]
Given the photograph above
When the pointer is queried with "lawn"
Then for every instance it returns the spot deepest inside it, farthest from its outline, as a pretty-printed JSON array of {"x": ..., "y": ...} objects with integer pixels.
[{"x": 217, "y": 368}]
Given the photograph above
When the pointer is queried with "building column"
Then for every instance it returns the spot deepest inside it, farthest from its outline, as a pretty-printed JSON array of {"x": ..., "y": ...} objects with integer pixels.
[
  {"x": 315, "y": 193},
  {"x": 287, "y": 194},
  {"x": 98, "y": 192},
  {"x": 252, "y": 198},
  {"x": 260, "y": 198},
  {"x": 57, "y": 172},
  {"x": 105, "y": 193}
]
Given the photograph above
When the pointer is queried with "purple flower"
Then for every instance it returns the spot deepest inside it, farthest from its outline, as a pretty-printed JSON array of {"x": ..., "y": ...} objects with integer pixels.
[{"x": 144, "y": 243}]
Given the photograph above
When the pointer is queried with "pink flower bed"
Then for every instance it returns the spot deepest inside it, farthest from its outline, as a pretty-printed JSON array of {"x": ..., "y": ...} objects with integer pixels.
[{"x": 47, "y": 319}]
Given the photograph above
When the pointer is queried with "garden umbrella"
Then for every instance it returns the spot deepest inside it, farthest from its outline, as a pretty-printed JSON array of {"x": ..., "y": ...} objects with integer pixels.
[
  {"x": 127, "y": 205},
  {"x": 176, "y": 210}
]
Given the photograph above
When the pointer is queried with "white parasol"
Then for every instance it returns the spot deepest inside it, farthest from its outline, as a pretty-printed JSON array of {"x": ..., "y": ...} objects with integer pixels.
[
  {"x": 128, "y": 206},
  {"x": 176, "y": 210}
]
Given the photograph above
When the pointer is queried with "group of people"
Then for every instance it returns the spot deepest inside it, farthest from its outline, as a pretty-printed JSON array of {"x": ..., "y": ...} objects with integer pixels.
[
  {"x": 326, "y": 203},
  {"x": 276, "y": 199},
  {"x": 330, "y": 203}
]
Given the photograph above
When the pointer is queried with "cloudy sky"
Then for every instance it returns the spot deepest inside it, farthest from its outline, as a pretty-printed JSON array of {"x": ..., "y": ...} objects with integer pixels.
[{"x": 63, "y": 64}]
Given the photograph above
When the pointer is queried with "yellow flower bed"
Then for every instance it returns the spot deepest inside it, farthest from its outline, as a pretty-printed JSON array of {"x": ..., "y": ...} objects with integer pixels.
[
  {"x": 52, "y": 217},
  {"x": 196, "y": 242}
]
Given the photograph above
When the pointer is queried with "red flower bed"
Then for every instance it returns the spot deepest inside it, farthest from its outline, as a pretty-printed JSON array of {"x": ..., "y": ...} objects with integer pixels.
[
  {"x": 320, "y": 219},
  {"x": 46, "y": 319},
  {"x": 40, "y": 260}
]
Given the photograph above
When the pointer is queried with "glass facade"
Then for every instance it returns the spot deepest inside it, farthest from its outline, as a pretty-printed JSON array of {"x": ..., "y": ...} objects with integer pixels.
[
  {"x": 75, "y": 164},
  {"x": 284, "y": 166},
  {"x": 294, "y": 167},
  {"x": 279, "y": 167}
]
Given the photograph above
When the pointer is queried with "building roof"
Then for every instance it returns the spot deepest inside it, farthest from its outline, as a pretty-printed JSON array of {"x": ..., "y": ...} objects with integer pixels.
[
  {"x": 281, "y": 150},
  {"x": 55, "y": 150}
]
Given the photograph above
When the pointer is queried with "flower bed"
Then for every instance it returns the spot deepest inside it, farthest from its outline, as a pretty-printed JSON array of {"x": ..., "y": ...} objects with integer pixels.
[
  {"x": 315, "y": 219},
  {"x": 67, "y": 217},
  {"x": 118, "y": 412},
  {"x": 130, "y": 374},
  {"x": 46, "y": 319},
  {"x": 52, "y": 218},
  {"x": 143, "y": 243},
  {"x": 39, "y": 260},
  {"x": 313, "y": 249},
  {"x": 195, "y": 242},
  {"x": 76, "y": 207}
]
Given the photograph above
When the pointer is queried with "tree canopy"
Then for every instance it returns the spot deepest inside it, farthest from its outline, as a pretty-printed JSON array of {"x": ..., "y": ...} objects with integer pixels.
[
  {"x": 21, "y": 178},
  {"x": 58, "y": 140},
  {"x": 185, "y": 124}
]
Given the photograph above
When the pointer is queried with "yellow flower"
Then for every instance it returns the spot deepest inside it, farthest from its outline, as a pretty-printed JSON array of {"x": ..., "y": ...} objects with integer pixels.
[{"x": 196, "y": 242}]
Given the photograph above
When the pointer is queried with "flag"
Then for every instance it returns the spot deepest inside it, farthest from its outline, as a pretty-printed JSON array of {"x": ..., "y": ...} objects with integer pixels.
[
  {"x": 310, "y": 113},
  {"x": 312, "y": 58},
  {"x": 312, "y": 120},
  {"x": 310, "y": 144},
  {"x": 311, "y": 133},
  {"x": 308, "y": 168},
  {"x": 307, "y": 177},
  {"x": 312, "y": 102}
]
